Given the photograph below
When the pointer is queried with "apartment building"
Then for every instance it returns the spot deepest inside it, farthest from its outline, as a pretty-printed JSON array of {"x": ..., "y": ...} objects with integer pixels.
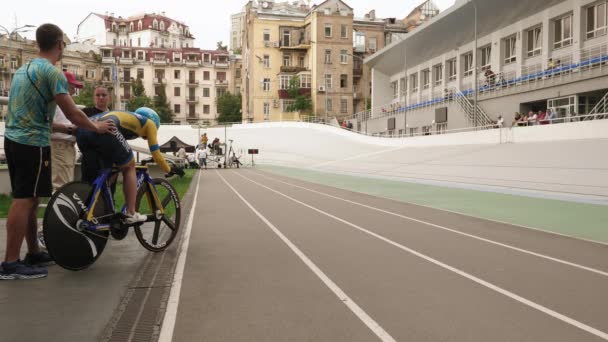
[
  {"x": 159, "y": 51},
  {"x": 528, "y": 56},
  {"x": 324, "y": 46}
]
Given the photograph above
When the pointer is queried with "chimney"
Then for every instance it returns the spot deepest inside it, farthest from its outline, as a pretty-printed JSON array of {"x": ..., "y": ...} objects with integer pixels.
[
  {"x": 112, "y": 14},
  {"x": 372, "y": 14},
  {"x": 162, "y": 13}
]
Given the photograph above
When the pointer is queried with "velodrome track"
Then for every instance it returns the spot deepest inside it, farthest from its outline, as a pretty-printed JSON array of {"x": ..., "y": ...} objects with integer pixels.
[{"x": 275, "y": 259}]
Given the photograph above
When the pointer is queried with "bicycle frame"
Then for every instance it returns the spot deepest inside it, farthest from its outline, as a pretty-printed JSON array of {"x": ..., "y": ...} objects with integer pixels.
[{"x": 100, "y": 186}]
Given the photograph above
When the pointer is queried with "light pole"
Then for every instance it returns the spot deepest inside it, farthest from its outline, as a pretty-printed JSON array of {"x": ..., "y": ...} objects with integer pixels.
[{"x": 475, "y": 65}]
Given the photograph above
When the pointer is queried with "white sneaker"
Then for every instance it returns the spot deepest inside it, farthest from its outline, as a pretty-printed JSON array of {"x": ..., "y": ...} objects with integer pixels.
[{"x": 134, "y": 218}]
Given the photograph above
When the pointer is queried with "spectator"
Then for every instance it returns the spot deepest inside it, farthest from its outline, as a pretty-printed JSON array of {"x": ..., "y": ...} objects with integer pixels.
[
  {"x": 181, "y": 153},
  {"x": 215, "y": 146},
  {"x": 532, "y": 118},
  {"x": 343, "y": 125},
  {"x": 63, "y": 150},
  {"x": 551, "y": 65},
  {"x": 36, "y": 89},
  {"x": 542, "y": 116},
  {"x": 102, "y": 101},
  {"x": 350, "y": 125},
  {"x": 192, "y": 161},
  {"x": 551, "y": 115},
  {"x": 201, "y": 155},
  {"x": 516, "y": 119},
  {"x": 490, "y": 76},
  {"x": 500, "y": 121},
  {"x": 204, "y": 140}
]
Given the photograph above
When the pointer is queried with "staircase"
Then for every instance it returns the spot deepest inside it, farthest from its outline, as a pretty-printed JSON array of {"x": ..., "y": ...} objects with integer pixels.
[
  {"x": 600, "y": 108},
  {"x": 469, "y": 109}
]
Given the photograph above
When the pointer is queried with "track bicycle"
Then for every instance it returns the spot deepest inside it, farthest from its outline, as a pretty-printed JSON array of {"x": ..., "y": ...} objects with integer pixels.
[{"x": 80, "y": 218}]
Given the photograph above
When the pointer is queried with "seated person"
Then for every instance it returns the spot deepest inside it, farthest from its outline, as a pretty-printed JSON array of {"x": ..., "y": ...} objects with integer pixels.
[
  {"x": 490, "y": 76},
  {"x": 101, "y": 151}
]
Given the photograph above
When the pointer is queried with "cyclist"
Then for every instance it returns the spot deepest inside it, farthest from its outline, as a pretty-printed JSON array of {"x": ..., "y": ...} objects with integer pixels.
[{"x": 102, "y": 151}]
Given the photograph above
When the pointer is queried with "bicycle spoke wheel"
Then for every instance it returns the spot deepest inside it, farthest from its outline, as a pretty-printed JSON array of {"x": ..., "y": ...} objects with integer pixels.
[
  {"x": 71, "y": 248},
  {"x": 157, "y": 235}
]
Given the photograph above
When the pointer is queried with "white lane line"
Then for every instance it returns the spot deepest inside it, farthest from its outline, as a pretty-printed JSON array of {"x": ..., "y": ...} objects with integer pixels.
[
  {"x": 342, "y": 296},
  {"x": 166, "y": 332},
  {"x": 464, "y": 274},
  {"x": 525, "y": 251},
  {"x": 363, "y": 155}
]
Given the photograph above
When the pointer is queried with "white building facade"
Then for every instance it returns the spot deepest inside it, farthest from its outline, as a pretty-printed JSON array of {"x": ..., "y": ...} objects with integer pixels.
[
  {"x": 528, "y": 56},
  {"x": 237, "y": 25},
  {"x": 160, "y": 52}
]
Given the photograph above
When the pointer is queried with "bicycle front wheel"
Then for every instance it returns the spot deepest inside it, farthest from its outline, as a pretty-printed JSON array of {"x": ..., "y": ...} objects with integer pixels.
[
  {"x": 158, "y": 234},
  {"x": 72, "y": 248}
]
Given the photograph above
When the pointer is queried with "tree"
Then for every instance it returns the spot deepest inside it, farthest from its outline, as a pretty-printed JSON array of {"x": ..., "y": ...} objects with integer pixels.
[
  {"x": 238, "y": 51},
  {"x": 139, "y": 97},
  {"x": 302, "y": 103},
  {"x": 222, "y": 47},
  {"x": 85, "y": 96},
  {"x": 162, "y": 107},
  {"x": 229, "y": 108}
]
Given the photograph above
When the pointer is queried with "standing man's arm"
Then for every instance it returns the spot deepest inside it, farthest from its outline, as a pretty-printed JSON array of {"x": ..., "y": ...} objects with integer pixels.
[{"x": 78, "y": 118}]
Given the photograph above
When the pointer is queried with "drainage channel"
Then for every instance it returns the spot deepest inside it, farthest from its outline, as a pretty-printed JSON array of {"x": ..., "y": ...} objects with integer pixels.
[{"x": 140, "y": 314}]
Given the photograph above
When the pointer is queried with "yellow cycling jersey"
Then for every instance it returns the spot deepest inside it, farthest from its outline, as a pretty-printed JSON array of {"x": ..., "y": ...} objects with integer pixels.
[{"x": 132, "y": 126}]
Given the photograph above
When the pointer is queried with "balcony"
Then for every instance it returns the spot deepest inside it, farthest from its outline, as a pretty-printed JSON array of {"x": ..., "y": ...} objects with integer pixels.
[
  {"x": 302, "y": 44},
  {"x": 107, "y": 60},
  {"x": 160, "y": 81},
  {"x": 160, "y": 61},
  {"x": 125, "y": 97},
  {"x": 221, "y": 83},
  {"x": 193, "y": 63},
  {"x": 192, "y": 99},
  {"x": 192, "y": 116},
  {"x": 222, "y": 65},
  {"x": 106, "y": 80},
  {"x": 357, "y": 72},
  {"x": 292, "y": 69},
  {"x": 126, "y": 60},
  {"x": 192, "y": 83},
  {"x": 284, "y": 93},
  {"x": 271, "y": 44},
  {"x": 126, "y": 80}
]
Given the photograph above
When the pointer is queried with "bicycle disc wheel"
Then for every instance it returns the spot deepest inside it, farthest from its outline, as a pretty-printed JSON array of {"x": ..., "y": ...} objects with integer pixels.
[
  {"x": 157, "y": 235},
  {"x": 71, "y": 248}
]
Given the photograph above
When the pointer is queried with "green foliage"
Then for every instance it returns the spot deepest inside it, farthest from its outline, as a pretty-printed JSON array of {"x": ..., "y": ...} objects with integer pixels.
[
  {"x": 139, "y": 97},
  {"x": 303, "y": 103},
  {"x": 369, "y": 104},
  {"x": 162, "y": 106},
  {"x": 85, "y": 96},
  {"x": 229, "y": 108},
  {"x": 238, "y": 51}
]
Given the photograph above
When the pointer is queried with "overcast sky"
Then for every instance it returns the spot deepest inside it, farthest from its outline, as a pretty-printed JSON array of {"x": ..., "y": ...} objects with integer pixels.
[{"x": 209, "y": 21}]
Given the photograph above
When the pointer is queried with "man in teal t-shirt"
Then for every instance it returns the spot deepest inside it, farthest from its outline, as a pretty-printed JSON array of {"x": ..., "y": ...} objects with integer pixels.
[{"x": 36, "y": 90}]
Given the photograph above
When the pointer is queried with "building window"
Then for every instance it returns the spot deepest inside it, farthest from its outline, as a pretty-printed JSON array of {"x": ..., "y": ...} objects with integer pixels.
[
  {"x": 438, "y": 74},
  {"x": 328, "y": 81},
  {"x": 206, "y": 75},
  {"x": 327, "y": 56},
  {"x": 344, "y": 56},
  {"x": 343, "y": 31},
  {"x": 394, "y": 87},
  {"x": 266, "y": 84},
  {"x": 220, "y": 92},
  {"x": 177, "y": 74},
  {"x": 139, "y": 25},
  {"x": 510, "y": 56},
  {"x": 359, "y": 42},
  {"x": 114, "y": 42},
  {"x": 402, "y": 87},
  {"x": 305, "y": 81},
  {"x": 414, "y": 82},
  {"x": 343, "y": 81},
  {"x": 206, "y": 109},
  {"x": 285, "y": 104},
  {"x": 176, "y": 108},
  {"x": 284, "y": 81},
  {"x": 162, "y": 25},
  {"x": 286, "y": 38},
  {"x": 328, "y": 105},
  {"x": 140, "y": 73},
  {"x": 343, "y": 106},
  {"x": 535, "y": 40},
  {"x": 287, "y": 60},
  {"x": 207, "y": 58},
  {"x": 452, "y": 69},
  {"x": 426, "y": 79},
  {"x": 138, "y": 41},
  {"x": 562, "y": 32},
  {"x": 301, "y": 61},
  {"x": 467, "y": 60},
  {"x": 328, "y": 30},
  {"x": 596, "y": 20},
  {"x": 176, "y": 91},
  {"x": 373, "y": 45},
  {"x": 131, "y": 27},
  {"x": 266, "y": 61},
  {"x": 140, "y": 55},
  {"x": 266, "y": 111},
  {"x": 486, "y": 55},
  {"x": 205, "y": 92},
  {"x": 266, "y": 35}
]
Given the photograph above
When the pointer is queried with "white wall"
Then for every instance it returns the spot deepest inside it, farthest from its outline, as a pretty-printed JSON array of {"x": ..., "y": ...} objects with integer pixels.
[{"x": 93, "y": 27}]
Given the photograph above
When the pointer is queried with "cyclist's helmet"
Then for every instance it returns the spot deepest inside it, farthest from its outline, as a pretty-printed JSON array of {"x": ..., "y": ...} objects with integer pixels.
[{"x": 150, "y": 114}]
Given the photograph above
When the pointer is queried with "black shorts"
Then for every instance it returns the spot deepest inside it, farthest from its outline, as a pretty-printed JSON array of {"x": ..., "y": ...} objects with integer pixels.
[
  {"x": 29, "y": 168},
  {"x": 101, "y": 151}
]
